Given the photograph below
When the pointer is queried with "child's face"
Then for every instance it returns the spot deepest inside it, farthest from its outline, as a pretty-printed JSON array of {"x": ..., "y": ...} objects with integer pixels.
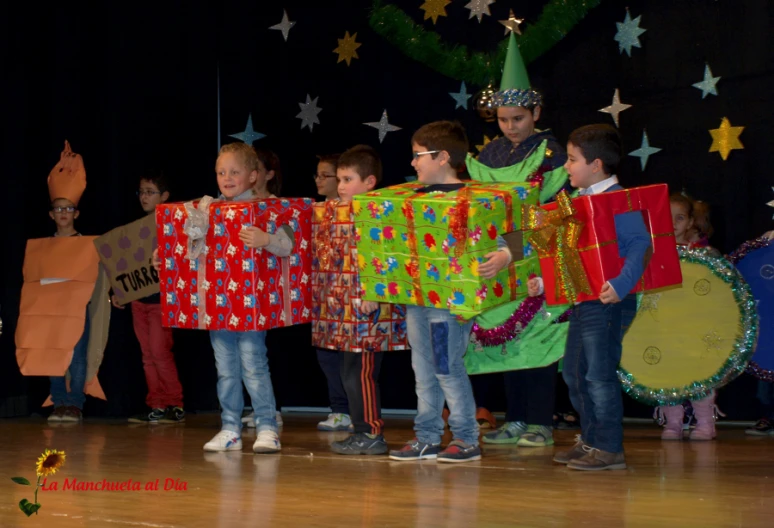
[
  {"x": 325, "y": 179},
  {"x": 262, "y": 177},
  {"x": 150, "y": 196},
  {"x": 351, "y": 184},
  {"x": 681, "y": 221},
  {"x": 582, "y": 173},
  {"x": 64, "y": 213},
  {"x": 517, "y": 123},
  {"x": 234, "y": 178},
  {"x": 429, "y": 170}
]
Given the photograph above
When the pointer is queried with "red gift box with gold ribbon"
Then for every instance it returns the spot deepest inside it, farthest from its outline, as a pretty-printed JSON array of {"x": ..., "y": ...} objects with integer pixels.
[{"x": 578, "y": 247}]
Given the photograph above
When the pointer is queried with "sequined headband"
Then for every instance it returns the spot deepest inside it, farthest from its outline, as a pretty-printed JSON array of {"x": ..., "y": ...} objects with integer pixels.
[{"x": 515, "y": 97}]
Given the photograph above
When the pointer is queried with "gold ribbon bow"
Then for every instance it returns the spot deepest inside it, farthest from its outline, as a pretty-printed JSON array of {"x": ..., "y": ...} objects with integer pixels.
[{"x": 555, "y": 234}]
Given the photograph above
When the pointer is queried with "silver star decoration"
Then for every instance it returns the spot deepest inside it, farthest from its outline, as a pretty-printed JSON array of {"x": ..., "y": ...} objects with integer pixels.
[
  {"x": 249, "y": 135},
  {"x": 383, "y": 126},
  {"x": 479, "y": 8},
  {"x": 512, "y": 24},
  {"x": 628, "y": 34},
  {"x": 771, "y": 203},
  {"x": 461, "y": 97},
  {"x": 644, "y": 151},
  {"x": 308, "y": 113},
  {"x": 616, "y": 108},
  {"x": 707, "y": 85},
  {"x": 285, "y": 25}
]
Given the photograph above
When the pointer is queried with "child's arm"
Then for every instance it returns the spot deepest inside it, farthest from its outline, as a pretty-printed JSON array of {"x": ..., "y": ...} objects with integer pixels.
[
  {"x": 634, "y": 244},
  {"x": 496, "y": 260},
  {"x": 280, "y": 243}
]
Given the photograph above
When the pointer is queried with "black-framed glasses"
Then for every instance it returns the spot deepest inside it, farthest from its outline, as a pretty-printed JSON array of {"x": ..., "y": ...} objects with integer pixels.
[
  {"x": 417, "y": 154},
  {"x": 323, "y": 176},
  {"x": 147, "y": 193},
  {"x": 67, "y": 209}
]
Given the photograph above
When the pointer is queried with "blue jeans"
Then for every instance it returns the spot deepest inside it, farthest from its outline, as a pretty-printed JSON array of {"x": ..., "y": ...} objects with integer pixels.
[
  {"x": 590, "y": 362},
  {"x": 77, "y": 369},
  {"x": 438, "y": 343},
  {"x": 241, "y": 357}
]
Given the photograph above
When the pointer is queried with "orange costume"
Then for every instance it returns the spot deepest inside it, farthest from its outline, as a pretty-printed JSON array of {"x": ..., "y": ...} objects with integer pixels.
[{"x": 62, "y": 277}]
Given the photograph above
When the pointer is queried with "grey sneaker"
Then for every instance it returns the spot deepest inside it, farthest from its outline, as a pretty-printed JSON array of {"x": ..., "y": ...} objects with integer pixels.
[
  {"x": 416, "y": 450},
  {"x": 537, "y": 436},
  {"x": 508, "y": 433},
  {"x": 576, "y": 451},
  {"x": 361, "y": 444}
]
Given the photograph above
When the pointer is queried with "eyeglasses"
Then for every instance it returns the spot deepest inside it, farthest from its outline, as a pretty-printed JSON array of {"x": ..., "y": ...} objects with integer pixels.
[
  {"x": 323, "y": 176},
  {"x": 68, "y": 209},
  {"x": 417, "y": 154},
  {"x": 147, "y": 193}
]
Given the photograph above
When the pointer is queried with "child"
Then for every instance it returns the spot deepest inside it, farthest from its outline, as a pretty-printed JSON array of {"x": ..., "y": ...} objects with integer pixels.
[
  {"x": 241, "y": 356},
  {"x": 338, "y": 419},
  {"x": 691, "y": 232},
  {"x": 359, "y": 171},
  {"x": 594, "y": 338},
  {"x": 165, "y": 394},
  {"x": 438, "y": 340},
  {"x": 533, "y": 156}
]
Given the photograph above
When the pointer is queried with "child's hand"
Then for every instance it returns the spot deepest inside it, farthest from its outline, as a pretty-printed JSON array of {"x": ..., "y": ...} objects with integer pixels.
[
  {"x": 496, "y": 261},
  {"x": 254, "y": 237},
  {"x": 116, "y": 303},
  {"x": 608, "y": 295},
  {"x": 369, "y": 307},
  {"x": 534, "y": 287},
  {"x": 156, "y": 261}
]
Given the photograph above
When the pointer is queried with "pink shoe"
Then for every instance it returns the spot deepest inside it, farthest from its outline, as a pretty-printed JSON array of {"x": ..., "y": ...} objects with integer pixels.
[
  {"x": 705, "y": 418},
  {"x": 673, "y": 430}
]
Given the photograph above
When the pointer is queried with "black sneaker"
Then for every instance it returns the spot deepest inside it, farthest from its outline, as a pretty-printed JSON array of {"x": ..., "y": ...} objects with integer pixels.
[
  {"x": 152, "y": 417},
  {"x": 361, "y": 444},
  {"x": 173, "y": 415},
  {"x": 459, "y": 451},
  {"x": 415, "y": 450},
  {"x": 762, "y": 427}
]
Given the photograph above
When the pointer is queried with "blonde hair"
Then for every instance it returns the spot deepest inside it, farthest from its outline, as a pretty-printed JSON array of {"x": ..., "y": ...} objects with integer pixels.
[{"x": 246, "y": 154}]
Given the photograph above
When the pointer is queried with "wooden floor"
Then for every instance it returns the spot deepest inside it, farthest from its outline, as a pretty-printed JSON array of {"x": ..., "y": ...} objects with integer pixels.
[{"x": 728, "y": 482}]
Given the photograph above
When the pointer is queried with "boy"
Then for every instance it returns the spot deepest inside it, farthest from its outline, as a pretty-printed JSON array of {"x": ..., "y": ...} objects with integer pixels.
[
  {"x": 359, "y": 171},
  {"x": 165, "y": 394},
  {"x": 596, "y": 327},
  {"x": 438, "y": 341}
]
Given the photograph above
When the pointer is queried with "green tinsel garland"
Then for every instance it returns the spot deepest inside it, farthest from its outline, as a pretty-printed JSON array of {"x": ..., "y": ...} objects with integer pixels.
[
  {"x": 744, "y": 346},
  {"x": 456, "y": 61}
]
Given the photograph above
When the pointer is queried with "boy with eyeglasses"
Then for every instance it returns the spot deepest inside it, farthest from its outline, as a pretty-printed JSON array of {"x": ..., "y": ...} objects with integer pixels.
[{"x": 165, "y": 393}]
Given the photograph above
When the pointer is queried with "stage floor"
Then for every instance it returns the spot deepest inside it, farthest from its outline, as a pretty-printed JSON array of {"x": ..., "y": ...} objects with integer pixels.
[{"x": 727, "y": 482}]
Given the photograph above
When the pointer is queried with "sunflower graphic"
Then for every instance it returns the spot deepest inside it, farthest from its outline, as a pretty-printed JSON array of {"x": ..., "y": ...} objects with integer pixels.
[{"x": 47, "y": 464}]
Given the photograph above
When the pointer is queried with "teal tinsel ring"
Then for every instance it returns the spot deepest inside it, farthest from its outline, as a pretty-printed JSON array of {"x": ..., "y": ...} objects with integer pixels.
[{"x": 743, "y": 348}]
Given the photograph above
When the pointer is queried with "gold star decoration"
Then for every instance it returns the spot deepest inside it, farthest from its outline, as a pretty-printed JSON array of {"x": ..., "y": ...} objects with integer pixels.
[
  {"x": 512, "y": 24},
  {"x": 434, "y": 8},
  {"x": 347, "y": 48},
  {"x": 725, "y": 138},
  {"x": 486, "y": 142}
]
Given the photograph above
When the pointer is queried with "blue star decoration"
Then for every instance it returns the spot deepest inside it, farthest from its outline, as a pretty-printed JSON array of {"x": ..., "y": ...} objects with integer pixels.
[
  {"x": 308, "y": 113},
  {"x": 461, "y": 97},
  {"x": 707, "y": 85},
  {"x": 644, "y": 151},
  {"x": 249, "y": 135},
  {"x": 383, "y": 126},
  {"x": 628, "y": 34}
]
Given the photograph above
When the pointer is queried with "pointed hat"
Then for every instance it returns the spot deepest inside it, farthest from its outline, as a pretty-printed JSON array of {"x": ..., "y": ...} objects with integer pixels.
[
  {"x": 515, "y": 89},
  {"x": 68, "y": 177}
]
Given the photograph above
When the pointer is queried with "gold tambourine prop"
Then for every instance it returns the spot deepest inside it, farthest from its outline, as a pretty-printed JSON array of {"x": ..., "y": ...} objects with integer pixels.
[{"x": 686, "y": 341}]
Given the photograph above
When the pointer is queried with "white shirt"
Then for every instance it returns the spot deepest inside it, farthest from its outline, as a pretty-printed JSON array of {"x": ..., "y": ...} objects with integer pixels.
[{"x": 599, "y": 187}]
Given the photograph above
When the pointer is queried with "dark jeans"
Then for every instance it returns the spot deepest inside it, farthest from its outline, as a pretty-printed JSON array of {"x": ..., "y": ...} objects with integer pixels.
[
  {"x": 531, "y": 395},
  {"x": 590, "y": 363},
  {"x": 76, "y": 397},
  {"x": 331, "y": 366}
]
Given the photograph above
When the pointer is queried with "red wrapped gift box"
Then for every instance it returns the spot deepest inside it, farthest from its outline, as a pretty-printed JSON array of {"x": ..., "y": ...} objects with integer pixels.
[
  {"x": 336, "y": 294},
  {"x": 598, "y": 247},
  {"x": 228, "y": 286}
]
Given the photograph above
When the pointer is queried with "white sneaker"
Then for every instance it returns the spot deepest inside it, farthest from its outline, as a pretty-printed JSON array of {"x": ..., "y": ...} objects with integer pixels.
[
  {"x": 267, "y": 442},
  {"x": 224, "y": 441},
  {"x": 279, "y": 419},
  {"x": 335, "y": 422},
  {"x": 249, "y": 420}
]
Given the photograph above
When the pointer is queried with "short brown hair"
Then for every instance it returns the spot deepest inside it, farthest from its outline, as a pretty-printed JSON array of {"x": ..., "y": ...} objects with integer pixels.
[
  {"x": 332, "y": 159},
  {"x": 364, "y": 160},
  {"x": 444, "y": 135},
  {"x": 602, "y": 142}
]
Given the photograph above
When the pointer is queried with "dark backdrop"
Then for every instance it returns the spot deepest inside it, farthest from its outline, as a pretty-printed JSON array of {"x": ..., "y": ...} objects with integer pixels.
[{"x": 136, "y": 85}]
